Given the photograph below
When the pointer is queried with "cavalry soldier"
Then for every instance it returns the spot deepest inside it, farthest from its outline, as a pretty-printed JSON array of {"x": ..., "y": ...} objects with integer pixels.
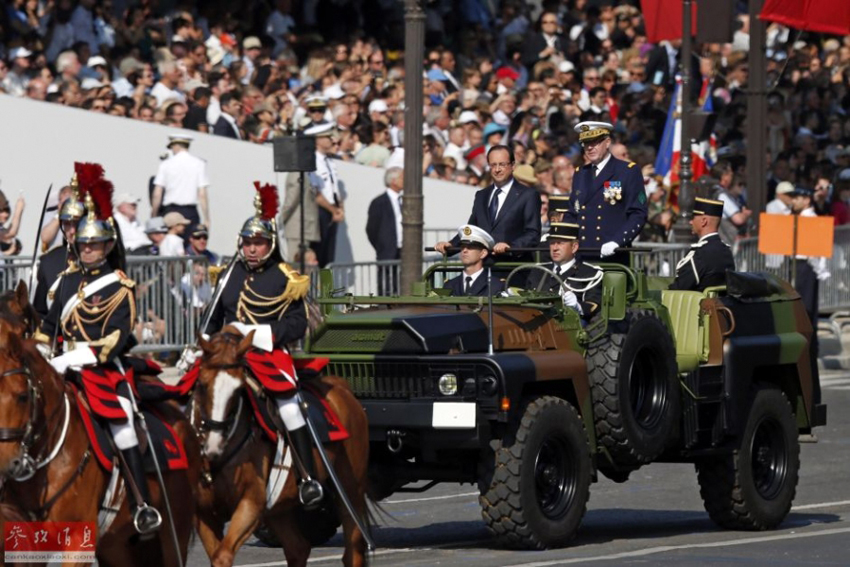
[
  {"x": 93, "y": 312},
  {"x": 608, "y": 200},
  {"x": 265, "y": 295},
  {"x": 584, "y": 293},
  {"x": 709, "y": 259},
  {"x": 52, "y": 265}
]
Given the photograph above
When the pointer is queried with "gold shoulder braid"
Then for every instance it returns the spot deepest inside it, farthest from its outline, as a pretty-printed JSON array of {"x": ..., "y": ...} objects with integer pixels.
[
  {"x": 90, "y": 314},
  {"x": 214, "y": 273},
  {"x": 125, "y": 280},
  {"x": 298, "y": 286}
]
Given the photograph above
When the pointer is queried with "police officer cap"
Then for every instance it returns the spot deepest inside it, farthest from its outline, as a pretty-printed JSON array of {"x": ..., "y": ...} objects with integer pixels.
[
  {"x": 801, "y": 192},
  {"x": 563, "y": 231},
  {"x": 320, "y": 130},
  {"x": 471, "y": 234},
  {"x": 708, "y": 207},
  {"x": 590, "y": 130},
  {"x": 558, "y": 203},
  {"x": 180, "y": 139}
]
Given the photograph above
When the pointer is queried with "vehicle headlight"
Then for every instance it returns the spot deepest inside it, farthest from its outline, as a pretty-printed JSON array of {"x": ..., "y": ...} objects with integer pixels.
[{"x": 448, "y": 384}]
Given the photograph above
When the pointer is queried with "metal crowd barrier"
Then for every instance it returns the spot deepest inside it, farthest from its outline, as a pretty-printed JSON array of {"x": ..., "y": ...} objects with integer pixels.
[{"x": 171, "y": 293}]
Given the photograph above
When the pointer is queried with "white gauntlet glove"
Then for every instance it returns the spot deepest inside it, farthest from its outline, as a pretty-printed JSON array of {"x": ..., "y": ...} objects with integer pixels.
[
  {"x": 570, "y": 300},
  {"x": 187, "y": 359},
  {"x": 74, "y": 360},
  {"x": 262, "y": 335},
  {"x": 608, "y": 249},
  {"x": 45, "y": 351}
]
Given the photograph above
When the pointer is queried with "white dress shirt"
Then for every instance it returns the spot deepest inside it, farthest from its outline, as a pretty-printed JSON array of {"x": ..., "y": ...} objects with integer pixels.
[
  {"x": 326, "y": 171},
  {"x": 502, "y": 196},
  {"x": 132, "y": 232},
  {"x": 395, "y": 201},
  {"x": 181, "y": 176}
]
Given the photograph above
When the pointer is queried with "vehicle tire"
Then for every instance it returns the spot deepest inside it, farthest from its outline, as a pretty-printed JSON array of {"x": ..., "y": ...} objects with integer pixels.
[
  {"x": 754, "y": 487},
  {"x": 541, "y": 482},
  {"x": 635, "y": 389}
]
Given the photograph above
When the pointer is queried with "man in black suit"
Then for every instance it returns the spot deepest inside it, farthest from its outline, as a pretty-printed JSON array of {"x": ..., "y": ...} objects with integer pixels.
[
  {"x": 709, "y": 259},
  {"x": 583, "y": 281},
  {"x": 383, "y": 227},
  {"x": 231, "y": 110},
  {"x": 508, "y": 210},
  {"x": 546, "y": 45},
  {"x": 475, "y": 246}
]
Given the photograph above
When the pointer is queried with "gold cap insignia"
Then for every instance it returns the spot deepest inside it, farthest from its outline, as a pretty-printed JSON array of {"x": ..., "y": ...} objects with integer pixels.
[{"x": 467, "y": 231}]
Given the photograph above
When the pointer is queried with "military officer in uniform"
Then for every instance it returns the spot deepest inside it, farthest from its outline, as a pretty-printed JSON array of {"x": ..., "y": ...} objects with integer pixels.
[
  {"x": 709, "y": 259},
  {"x": 608, "y": 200},
  {"x": 94, "y": 311},
  {"x": 265, "y": 295},
  {"x": 476, "y": 244},
  {"x": 53, "y": 264},
  {"x": 582, "y": 289}
]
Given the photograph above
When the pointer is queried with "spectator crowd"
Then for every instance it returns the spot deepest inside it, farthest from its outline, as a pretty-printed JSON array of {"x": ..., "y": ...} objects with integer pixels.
[{"x": 509, "y": 72}]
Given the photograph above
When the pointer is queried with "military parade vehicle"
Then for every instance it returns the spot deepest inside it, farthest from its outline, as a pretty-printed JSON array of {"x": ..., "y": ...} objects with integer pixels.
[{"x": 520, "y": 397}]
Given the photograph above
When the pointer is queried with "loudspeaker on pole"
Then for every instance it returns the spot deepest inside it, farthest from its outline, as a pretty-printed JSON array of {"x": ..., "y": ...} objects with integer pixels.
[{"x": 294, "y": 153}]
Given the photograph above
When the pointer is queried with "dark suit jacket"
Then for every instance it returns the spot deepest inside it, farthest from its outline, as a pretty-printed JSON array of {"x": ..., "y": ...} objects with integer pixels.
[
  {"x": 381, "y": 228},
  {"x": 518, "y": 221},
  {"x": 224, "y": 128},
  {"x": 658, "y": 62},
  {"x": 704, "y": 266},
  {"x": 533, "y": 45},
  {"x": 479, "y": 286},
  {"x": 579, "y": 276},
  {"x": 599, "y": 221}
]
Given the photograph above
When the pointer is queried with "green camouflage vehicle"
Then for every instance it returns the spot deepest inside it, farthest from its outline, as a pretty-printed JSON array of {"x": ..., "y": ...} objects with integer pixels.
[{"x": 530, "y": 404}]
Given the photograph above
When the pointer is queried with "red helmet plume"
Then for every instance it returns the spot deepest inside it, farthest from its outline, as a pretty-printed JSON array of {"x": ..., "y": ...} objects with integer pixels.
[
  {"x": 268, "y": 201},
  {"x": 92, "y": 182}
]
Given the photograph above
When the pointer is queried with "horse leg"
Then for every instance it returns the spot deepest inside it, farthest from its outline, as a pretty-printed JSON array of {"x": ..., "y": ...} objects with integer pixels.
[
  {"x": 211, "y": 533},
  {"x": 243, "y": 522},
  {"x": 296, "y": 547}
]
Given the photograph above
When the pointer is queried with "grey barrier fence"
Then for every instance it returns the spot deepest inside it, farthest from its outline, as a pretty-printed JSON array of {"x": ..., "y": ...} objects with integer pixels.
[{"x": 171, "y": 293}]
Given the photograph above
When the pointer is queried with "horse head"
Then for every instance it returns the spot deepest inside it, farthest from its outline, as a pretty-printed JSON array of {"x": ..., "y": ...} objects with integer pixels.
[
  {"x": 220, "y": 379},
  {"x": 29, "y": 390},
  {"x": 17, "y": 315}
]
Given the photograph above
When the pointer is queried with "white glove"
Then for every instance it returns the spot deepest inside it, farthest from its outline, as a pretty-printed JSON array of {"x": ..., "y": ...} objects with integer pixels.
[
  {"x": 74, "y": 360},
  {"x": 823, "y": 276},
  {"x": 45, "y": 351},
  {"x": 608, "y": 249},
  {"x": 262, "y": 335},
  {"x": 570, "y": 300},
  {"x": 187, "y": 359}
]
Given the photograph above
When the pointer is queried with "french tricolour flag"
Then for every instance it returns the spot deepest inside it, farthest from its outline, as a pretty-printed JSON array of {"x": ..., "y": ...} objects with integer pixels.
[{"x": 667, "y": 161}]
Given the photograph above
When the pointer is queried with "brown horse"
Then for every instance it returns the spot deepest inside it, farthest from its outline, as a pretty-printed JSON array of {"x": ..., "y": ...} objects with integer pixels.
[
  {"x": 240, "y": 457},
  {"x": 35, "y": 405}
]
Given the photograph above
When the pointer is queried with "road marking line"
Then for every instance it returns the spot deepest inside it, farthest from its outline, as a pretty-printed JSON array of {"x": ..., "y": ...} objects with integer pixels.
[
  {"x": 336, "y": 557},
  {"x": 446, "y": 497},
  {"x": 821, "y": 505},
  {"x": 667, "y": 548}
]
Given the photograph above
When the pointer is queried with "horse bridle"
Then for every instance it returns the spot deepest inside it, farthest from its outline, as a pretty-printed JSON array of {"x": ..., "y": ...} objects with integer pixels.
[
  {"x": 24, "y": 467},
  {"x": 207, "y": 425}
]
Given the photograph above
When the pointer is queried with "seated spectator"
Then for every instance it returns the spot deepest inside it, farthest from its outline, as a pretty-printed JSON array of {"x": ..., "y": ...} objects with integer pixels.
[
  {"x": 197, "y": 246},
  {"x": 172, "y": 244},
  {"x": 134, "y": 237},
  {"x": 155, "y": 230}
]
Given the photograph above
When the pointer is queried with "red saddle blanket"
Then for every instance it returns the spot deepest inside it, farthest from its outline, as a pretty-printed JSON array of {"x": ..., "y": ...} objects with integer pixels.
[{"x": 170, "y": 452}]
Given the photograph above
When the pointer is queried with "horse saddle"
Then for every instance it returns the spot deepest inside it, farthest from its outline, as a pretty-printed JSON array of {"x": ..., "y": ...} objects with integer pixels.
[
  {"x": 322, "y": 416},
  {"x": 170, "y": 452}
]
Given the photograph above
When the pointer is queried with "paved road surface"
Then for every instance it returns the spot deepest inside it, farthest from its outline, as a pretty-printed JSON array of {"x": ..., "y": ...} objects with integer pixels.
[{"x": 656, "y": 518}]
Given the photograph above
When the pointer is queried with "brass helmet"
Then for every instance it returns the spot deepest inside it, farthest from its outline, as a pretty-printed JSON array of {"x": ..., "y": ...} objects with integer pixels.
[
  {"x": 73, "y": 208},
  {"x": 97, "y": 225},
  {"x": 263, "y": 222}
]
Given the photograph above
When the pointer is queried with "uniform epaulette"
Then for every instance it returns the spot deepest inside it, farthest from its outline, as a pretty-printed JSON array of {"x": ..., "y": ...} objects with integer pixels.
[
  {"x": 298, "y": 285},
  {"x": 214, "y": 273},
  {"x": 578, "y": 169},
  {"x": 72, "y": 267},
  {"x": 124, "y": 279},
  {"x": 632, "y": 164}
]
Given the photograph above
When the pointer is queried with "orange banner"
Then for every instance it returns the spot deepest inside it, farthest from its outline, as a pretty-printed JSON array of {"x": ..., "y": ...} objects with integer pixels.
[{"x": 814, "y": 235}]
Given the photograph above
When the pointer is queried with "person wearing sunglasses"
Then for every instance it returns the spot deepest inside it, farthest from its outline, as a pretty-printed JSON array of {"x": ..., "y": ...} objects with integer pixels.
[{"x": 197, "y": 246}]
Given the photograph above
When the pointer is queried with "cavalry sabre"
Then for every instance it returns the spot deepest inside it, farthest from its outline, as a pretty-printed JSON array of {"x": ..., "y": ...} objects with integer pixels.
[{"x": 37, "y": 238}]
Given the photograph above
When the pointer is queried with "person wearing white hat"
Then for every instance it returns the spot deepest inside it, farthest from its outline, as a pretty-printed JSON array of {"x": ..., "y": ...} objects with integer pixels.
[
  {"x": 475, "y": 245},
  {"x": 608, "y": 200},
  {"x": 17, "y": 79},
  {"x": 181, "y": 183},
  {"x": 326, "y": 177},
  {"x": 125, "y": 214},
  {"x": 781, "y": 205}
]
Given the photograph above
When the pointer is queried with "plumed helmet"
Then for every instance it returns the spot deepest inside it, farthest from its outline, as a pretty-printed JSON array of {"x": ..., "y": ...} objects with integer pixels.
[
  {"x": 96, "y": 191},
  {"x": 263, "y": 223},
  {"x": 73, "y": 208}
]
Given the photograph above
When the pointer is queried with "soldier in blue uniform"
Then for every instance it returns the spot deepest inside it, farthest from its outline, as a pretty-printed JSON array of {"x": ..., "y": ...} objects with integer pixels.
[
  {"x": 94, "y": 311},
  {"x": 582, "y": 280},
  {"x": 53, "y": 264},
  {"x": 265, "y": 295},
  {"x": 608, "y": 200},
  {"x": 709, "y": 259}
]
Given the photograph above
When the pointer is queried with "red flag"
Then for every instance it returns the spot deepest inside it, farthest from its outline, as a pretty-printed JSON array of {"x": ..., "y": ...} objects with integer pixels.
[
  {"x": 663, "y": 19},
  {"x": 827, "y": 16}
]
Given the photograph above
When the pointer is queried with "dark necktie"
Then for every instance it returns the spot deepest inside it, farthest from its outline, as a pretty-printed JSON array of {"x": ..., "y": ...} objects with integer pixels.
[
  {"x": 468, "y": 285},
  {"x": 595, "y": 170},
  {"x": 494, "y": 205},
  {"x": 558, "y": 269}
]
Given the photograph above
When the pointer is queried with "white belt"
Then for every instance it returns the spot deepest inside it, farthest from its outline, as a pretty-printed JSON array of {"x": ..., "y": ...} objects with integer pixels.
[{"x": 68, "y": 346}]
